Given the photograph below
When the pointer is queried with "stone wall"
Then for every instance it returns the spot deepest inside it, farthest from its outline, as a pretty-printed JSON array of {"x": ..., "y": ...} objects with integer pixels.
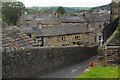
[
  {"x": 32, "y": 62},
  {"x": 115, "y": 10},
  {"x": 68, "y": 39},
  {"x": 110, "y": 29}
]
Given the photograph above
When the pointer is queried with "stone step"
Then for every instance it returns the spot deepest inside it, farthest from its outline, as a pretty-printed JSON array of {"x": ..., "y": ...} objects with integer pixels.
[{"x": 110, "y": 60}]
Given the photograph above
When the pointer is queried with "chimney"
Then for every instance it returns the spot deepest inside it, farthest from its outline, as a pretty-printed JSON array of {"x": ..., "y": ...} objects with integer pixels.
[{"x": 57, "y": 15}]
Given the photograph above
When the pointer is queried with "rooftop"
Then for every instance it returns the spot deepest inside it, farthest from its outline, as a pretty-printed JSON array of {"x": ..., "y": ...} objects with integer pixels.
[
  {"x": 14, "y": 37},
  {"x": 70, "y": 19},
  {"x": 61, "y": 30}
]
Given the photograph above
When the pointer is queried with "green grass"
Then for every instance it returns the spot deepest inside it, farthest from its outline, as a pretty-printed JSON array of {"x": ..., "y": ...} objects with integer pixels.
[{"x": 101, "y": 72}]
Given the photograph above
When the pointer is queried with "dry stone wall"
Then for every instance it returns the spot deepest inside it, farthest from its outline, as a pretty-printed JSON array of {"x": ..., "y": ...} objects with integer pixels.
[{"x": 32, "y": 62}]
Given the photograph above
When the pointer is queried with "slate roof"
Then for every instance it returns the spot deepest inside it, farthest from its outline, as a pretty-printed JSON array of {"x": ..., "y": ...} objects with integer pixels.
[
  {"x": 14, "y": 37},
  {"x": 70, "y": 19},
  {"x": 38, "y": 32},
  {"x": 27, "y": 30},
  {"x": 106, "y": 17},
  {"x": 62, "y": 30},
  {"x": 47, "y": 19},
  {"x": 33, "y": 23},
  {"x": 29, "y": 16},
  {"x": 95, "y": 18},
  {"x": 84, "y": 18}
]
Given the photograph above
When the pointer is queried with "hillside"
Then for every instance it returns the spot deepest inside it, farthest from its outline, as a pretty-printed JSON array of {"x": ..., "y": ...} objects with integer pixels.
[
  {"x": 55, "y": 8},
  {"x": 71, "y": 8},
  {"x": 108, "y": 6}
]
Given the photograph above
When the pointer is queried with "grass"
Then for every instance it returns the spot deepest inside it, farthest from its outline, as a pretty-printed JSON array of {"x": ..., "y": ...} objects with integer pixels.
[{"x": 101, "y": 72}]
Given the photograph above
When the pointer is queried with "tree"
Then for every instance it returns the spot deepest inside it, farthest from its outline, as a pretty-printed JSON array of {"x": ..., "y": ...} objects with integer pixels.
[
  {"x": 11, "y": 11},
  {"x": 61, "y": 10},
  {"x": 30, "y": 11}
]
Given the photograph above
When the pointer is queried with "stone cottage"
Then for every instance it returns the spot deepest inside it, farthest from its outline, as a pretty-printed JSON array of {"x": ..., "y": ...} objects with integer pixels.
[
  {"x": 96, "y": 25},
  {"x": 64, "y": 35},
  {"x": 38, "y": 20},
  {"x": 47, "y": 20},
  {"x": 25, "y": 19}
]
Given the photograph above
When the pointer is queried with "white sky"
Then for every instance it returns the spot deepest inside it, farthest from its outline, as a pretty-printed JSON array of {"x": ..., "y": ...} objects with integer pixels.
[{"x": 65, "y": 3}]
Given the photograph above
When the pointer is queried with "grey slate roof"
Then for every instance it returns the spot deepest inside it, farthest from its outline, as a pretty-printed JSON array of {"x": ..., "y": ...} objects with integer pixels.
[
  {"x": 37, "y": 32},
  {"x": 27, "y": 30},
  {"x": 14, "y": 37},
  {"x": 61, "y": 30},
  {"x": 70, "y": 19},
  {"x": 47, "y": 19},
  {"x": 106, "y": 17},
  {"x": 94, "y": 18},
  {"x": 84, "y": 18},
  {"x": 29, "y": 16},
  {"x": 33, "y": 23}
]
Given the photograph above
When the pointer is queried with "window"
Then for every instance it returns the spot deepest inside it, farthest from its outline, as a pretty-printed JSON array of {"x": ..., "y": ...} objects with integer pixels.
[
  {"x": 95, "y": 39},
  {"x": 65, "y": 45},
  {"x": 99, "y": 37},
  {"x": 100, "y": 26},
  {"x": 63, "y": 38},
  {"x": 39, "y": 41},
  {"x": 30, "y": 35},
  {"x": 76, "y": 43},
  {"x": 77, "y": 37}
]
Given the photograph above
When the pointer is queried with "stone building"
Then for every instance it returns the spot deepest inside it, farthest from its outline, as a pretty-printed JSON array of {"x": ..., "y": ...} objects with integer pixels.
[
  {"x": 65, "y": 19},
  {"x": 25, "y": 19},
  {"x": 38, "y": 20},
  {"x": 31, "y": 24},
  {"x": 64, "y": 35},
  {"x": 47, "y": 20},
  {"x": 115, "y": 9},
  {"x": 96, "y": 25}
]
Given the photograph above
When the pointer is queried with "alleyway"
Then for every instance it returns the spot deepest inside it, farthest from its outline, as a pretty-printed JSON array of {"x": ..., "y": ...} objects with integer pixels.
[{"x": 71, "y": 71}]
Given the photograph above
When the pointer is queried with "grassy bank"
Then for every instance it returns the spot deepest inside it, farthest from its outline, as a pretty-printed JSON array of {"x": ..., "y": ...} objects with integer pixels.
[{"x": 101, "y": 72}]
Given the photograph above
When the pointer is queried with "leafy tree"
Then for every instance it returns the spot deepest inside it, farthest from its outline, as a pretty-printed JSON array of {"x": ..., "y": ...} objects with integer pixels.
[
  {"x": 46, "y": 11},
  {"x": 30, "y": 11},
  {"x": 11, "y": 11},
  {"x": 73, "y": 14},
  {"x": 61, "y": 10}
]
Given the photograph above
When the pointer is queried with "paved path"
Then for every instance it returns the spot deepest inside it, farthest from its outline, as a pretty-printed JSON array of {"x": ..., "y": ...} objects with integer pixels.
[{"x": 71, "y": 71}]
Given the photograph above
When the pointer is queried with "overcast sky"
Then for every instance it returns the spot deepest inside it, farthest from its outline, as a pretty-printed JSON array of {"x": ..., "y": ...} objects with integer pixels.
[{"x": 65, "y": 3}]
